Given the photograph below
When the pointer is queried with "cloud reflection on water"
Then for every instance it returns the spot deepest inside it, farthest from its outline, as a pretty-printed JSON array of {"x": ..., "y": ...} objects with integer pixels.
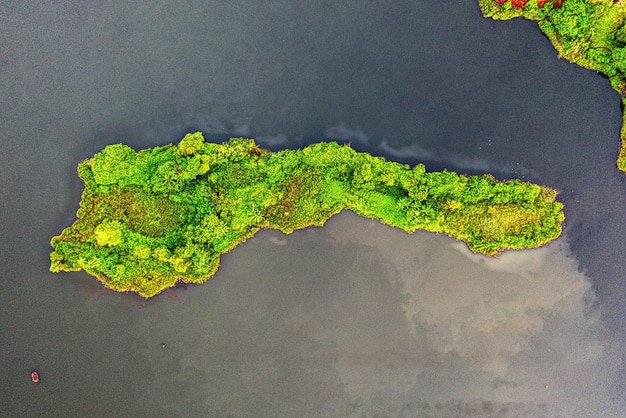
[
  {"x": 519, "y": 328},
  {"x": 358, "y": 319},
  {"x": 341, "y": 132}
]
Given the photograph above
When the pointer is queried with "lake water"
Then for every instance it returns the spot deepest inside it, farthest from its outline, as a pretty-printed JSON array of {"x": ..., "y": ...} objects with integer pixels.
[{"x": 352, "y": 319}]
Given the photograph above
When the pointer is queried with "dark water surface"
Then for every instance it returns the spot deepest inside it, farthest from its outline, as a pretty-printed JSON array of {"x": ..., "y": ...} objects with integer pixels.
[{"x": 353, "y": 319}]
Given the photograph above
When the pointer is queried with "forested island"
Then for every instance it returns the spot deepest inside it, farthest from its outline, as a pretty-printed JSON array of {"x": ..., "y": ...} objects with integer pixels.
[
  {"x": 590, "y": 33},
  {"x": 151, "y": 218}
]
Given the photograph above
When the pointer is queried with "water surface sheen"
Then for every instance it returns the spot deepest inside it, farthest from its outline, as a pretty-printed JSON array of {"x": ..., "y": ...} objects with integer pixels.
[{"x": 353, "y": 319}]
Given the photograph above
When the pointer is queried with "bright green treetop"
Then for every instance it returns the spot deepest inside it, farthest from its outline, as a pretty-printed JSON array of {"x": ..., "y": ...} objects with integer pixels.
[{"x": 148, "y": 219}]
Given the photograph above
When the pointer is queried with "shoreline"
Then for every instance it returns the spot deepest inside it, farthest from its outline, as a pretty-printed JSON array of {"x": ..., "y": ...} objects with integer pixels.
[
  {"x": 591, "y": 34},
  {"x": 160, "y": 216}
]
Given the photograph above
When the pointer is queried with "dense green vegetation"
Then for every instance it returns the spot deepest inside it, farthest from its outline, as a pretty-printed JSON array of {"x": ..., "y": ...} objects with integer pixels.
[
  {"x": 148, "y": 219},
  {"x": 590, "y": 33}
]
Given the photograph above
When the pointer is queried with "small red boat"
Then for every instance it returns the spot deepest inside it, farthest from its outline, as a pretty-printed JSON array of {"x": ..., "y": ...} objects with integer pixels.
[{"x": 34, "y": 376}]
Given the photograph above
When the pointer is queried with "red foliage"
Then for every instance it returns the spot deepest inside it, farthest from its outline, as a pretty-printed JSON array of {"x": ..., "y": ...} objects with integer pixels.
[{"x": 521, "y": 3}]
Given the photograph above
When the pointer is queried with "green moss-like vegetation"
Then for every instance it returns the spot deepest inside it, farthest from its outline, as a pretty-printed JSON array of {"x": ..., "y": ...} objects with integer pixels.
[
  {"x": 148, "y": 219},
  {"x": 590, "y": 33}
]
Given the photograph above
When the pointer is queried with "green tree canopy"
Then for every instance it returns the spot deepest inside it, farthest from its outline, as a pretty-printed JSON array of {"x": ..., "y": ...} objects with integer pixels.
[{"x": 148, "y": 219}]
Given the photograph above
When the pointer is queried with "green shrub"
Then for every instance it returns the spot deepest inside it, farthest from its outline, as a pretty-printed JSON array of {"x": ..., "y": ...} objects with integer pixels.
[{"x": 142, "y": 227}]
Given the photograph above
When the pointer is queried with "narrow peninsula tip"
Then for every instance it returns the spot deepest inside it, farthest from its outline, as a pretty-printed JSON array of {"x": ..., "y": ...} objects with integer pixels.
[{"x": 151, "y": 218}]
